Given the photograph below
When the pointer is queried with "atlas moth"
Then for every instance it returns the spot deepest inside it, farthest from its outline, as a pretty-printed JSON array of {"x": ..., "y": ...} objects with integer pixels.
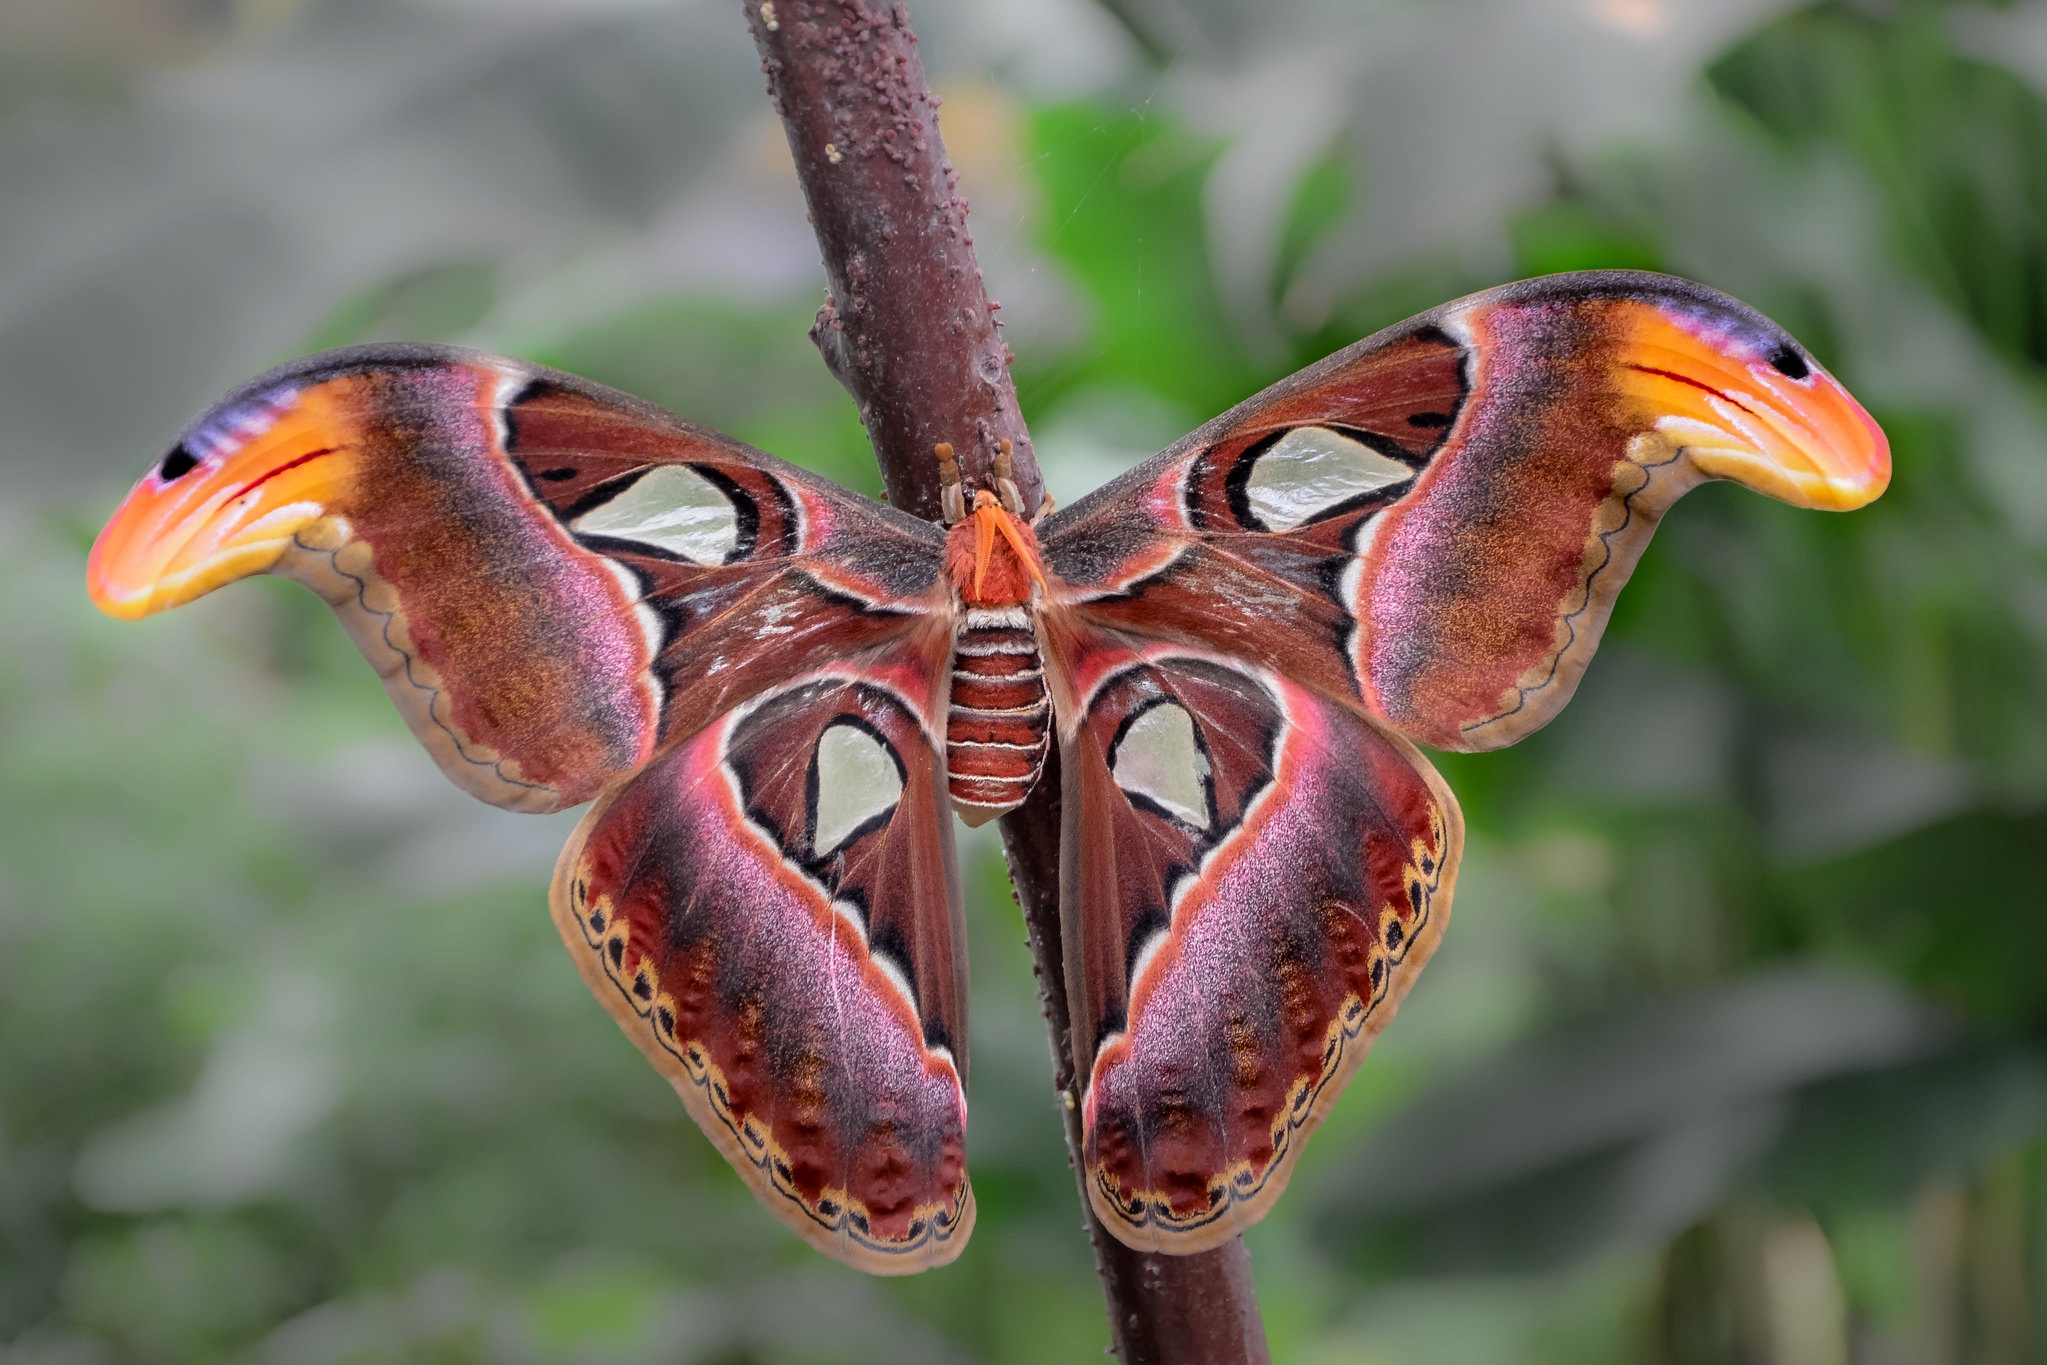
[{"x": 772, "y": 688}]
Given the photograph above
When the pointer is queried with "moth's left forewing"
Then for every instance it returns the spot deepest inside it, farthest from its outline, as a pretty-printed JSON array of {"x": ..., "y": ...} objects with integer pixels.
[
  {"x": 555, "y": 580},
  {"x": 1253, "y": 875},
  {"x": 771, "y": 911}
]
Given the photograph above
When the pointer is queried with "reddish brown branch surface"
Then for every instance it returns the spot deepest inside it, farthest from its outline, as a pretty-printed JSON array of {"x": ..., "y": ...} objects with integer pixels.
[
  {"x": 909, "y": 331},
  {"x": 907, "y": 327}
]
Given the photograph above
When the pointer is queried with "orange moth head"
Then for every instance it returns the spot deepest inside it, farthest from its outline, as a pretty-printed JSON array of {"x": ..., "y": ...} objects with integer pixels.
[{"x": 992, "y": 555}]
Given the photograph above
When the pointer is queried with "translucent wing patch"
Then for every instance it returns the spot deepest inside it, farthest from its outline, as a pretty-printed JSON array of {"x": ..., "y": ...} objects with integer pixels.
[
  {"x": 1311, "y": 472},
  {"x": 672, "y": 509}
]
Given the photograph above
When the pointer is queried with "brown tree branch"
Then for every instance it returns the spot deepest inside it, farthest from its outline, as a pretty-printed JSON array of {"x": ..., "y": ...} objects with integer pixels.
[
  {"x": 909, "y": 331},
  {"x": 907, "y": 327}
]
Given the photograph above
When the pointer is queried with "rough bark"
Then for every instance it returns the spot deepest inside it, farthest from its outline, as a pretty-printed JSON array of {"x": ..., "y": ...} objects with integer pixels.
[{"x": 908, "y": 329}]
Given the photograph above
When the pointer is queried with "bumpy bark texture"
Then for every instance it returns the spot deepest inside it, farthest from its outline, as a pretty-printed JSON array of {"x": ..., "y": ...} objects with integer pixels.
[{"x": 907, "y": 328}]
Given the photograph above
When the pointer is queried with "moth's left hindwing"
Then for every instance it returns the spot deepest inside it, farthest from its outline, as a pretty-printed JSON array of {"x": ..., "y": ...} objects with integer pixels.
[
  {"x": 1253, "y": 875},
  {"x": 772, "y": 914}
]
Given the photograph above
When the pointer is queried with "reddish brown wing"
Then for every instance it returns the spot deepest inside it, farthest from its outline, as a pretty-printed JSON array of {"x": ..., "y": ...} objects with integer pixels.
[
  {"x": 569, "y": 592},
  {"x": 1422, "y": 536},
  {"x": 771, "y": 912},
  {"x": 1253, "y": 875},
  {"x": 554, "y": 579},
  {"x": 1436, "y": 521}
]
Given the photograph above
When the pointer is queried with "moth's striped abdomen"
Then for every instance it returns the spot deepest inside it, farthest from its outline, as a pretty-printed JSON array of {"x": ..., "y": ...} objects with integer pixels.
[{"x": 998, "y": 727}]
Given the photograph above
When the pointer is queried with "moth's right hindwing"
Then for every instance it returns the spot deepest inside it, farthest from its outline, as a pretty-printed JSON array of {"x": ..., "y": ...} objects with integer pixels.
[{"x": 1252, "y": 875}]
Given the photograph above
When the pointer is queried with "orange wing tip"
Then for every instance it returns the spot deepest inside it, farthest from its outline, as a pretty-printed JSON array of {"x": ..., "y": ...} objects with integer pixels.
[
  {"x": 122, "y": 585},
  {"x": 229, "y": 500},
  {"x": 1755, "y": 410}
]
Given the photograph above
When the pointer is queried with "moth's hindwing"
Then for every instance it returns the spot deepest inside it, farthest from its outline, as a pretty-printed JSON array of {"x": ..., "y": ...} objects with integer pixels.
[
  {"x": 771, "y": 911},
  {"x": 1253, "y": 874}
]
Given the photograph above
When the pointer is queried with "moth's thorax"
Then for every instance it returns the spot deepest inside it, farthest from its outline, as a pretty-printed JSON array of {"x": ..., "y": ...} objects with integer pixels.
[
  {"x": 992, "y": 556},
  {"x": 999, "y": 722}
]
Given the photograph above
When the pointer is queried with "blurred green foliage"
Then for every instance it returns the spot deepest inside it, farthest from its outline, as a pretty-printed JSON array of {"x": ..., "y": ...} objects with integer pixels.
[{"x": 1734, "y": 1053}]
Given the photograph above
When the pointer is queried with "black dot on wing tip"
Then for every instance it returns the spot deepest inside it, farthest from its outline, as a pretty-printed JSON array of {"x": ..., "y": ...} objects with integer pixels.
[
  {"x": 177, "y": 463},
  {"x": 1786, "y": 360}
]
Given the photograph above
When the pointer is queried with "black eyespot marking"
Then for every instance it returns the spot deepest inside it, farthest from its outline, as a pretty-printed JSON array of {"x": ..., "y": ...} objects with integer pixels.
[
  {"x": 1428, "y": 420},
  {"x": 1378, "y": 972},
  {"x": 1394, "y": 936},
  {"x": 1789, "y": 363},
  {"x": 617, "y": 950},
  {"x": 176, "y": 464},
  {"x": 560, "y": 474}
]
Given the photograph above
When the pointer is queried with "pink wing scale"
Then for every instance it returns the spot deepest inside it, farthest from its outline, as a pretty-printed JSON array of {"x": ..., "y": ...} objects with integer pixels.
[{"x": 480, "y": 670}]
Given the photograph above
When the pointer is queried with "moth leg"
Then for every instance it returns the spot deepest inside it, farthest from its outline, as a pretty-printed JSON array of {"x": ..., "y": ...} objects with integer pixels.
[
  {"x": 1005, "y": 479},
  {"x": 952, "y": 489}
]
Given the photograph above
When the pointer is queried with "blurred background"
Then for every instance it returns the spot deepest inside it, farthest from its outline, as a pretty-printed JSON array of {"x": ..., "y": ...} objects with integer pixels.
[{"x": 1737, "y": 1049}]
